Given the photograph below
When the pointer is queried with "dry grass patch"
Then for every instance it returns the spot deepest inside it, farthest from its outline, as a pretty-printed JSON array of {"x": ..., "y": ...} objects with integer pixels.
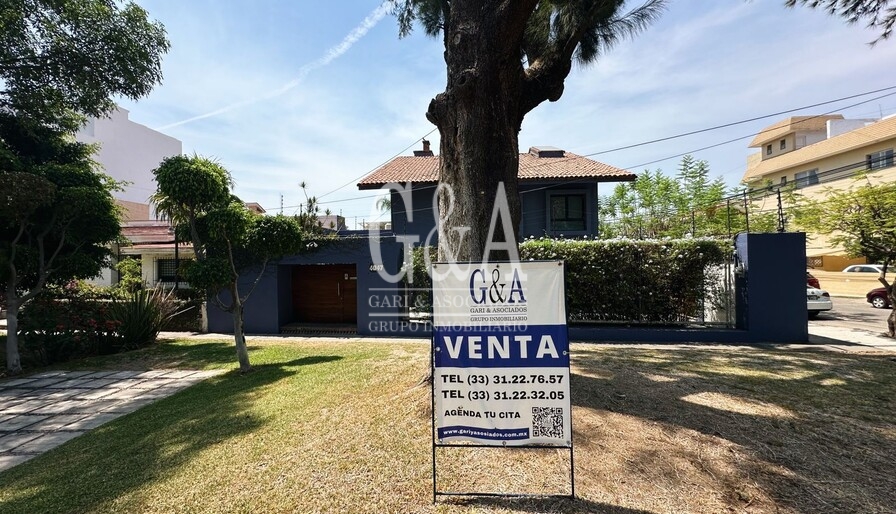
[{"x": 335, "y": 426}]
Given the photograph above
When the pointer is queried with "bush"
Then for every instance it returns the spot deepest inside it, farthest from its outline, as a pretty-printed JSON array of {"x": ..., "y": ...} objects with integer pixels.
[
  {"x": 625, "y": 281},
  {"x": 66, "y": 322},
  {"x": 79, "y": 319},
  {"x": 143, "y": 315},
  {"x": 633, "y": 281}
]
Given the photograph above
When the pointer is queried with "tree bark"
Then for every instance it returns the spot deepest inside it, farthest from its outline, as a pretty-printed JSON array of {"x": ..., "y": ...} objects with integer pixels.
[
  {"x": 13, "y": 359},
  {"x": 239, "y": 337},
  {"x": 479, "y": 117},
  {"x": 890, "y": 289}
]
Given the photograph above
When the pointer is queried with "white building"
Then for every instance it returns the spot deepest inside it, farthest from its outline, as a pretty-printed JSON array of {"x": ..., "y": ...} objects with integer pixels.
[{"x": 129, "y": 152}]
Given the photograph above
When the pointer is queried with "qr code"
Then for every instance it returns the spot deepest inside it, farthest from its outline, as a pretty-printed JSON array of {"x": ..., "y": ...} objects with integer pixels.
[{"x": 547, "y": 422}]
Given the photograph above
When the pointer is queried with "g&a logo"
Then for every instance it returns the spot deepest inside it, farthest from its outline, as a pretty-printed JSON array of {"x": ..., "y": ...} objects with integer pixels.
[{"x": 491, "y": 287}]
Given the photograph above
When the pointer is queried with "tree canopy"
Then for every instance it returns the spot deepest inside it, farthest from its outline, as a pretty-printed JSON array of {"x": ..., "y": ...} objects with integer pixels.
[
  {"x": 690, "y": 203},
  {"x": 878, "y": 14},
  {"x": 57, "y": 214},
  {"x": 861, "y": 219},
  {"x": 59, "y": 57}
]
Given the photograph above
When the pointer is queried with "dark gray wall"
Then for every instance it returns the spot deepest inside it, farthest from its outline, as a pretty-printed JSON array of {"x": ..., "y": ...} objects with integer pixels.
[
  {"x": 533, "y": 198},
  {"x": 380, "y": 303},
  {"x": 776, "y": 287},
  {"x": 257, "y": 311},
  {"x": 773, "y": 311}
]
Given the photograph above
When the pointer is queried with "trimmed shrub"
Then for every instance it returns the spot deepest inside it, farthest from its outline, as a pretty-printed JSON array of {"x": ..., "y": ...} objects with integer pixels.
[{"x": 617, "y": 281}]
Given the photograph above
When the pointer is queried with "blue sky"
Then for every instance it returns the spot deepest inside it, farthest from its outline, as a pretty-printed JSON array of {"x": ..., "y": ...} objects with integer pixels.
[{"x": 282, "y": 92}]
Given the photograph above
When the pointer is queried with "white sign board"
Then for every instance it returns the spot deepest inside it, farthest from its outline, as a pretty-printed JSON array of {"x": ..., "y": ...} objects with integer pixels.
[{"x": 501, "y": 362}]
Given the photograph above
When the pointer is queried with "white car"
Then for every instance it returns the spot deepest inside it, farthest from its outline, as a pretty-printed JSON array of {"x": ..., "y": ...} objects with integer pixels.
[
  {"x": 817, "y": 300},
  {"x": 864, "y": 268}
]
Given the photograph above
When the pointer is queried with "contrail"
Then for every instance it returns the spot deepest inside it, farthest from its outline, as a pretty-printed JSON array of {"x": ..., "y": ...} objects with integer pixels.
[{"x": 331, "y": 55}]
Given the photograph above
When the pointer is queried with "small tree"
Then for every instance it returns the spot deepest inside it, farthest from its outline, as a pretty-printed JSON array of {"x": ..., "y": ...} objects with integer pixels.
[
  {"x": 656, "y": 205},
  {"x": 862, "y": 220},
  {"x": 228, "y": 239},
  {"x": 57, "y": 216}
]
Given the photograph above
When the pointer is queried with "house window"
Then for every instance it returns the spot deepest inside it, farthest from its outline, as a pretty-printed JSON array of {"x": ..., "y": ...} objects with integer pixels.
[
  {"x": 806, "y": 178},
  {"x": 768, "y": 149},
  {"x": 783, "y": 144},
  {"x": 167, "y": 270},
  {"x": 568, "y": 212},
  {"x": 882, "y": 159},
  {"x": 783, "y": 181}
]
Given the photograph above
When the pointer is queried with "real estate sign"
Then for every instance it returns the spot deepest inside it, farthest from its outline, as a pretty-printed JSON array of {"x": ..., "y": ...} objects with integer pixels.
[{"x": 501, "y": 354}]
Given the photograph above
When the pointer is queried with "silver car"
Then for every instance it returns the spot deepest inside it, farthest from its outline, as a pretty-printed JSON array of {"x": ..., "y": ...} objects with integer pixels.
[{"x": 817, "y": 300}]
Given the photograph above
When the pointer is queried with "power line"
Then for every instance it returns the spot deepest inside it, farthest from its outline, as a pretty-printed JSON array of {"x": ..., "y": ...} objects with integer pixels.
[
  {"x": 644, "y": 143},
  {"x": 726, "y": 125},
  {"x": 378, "y": 166}
]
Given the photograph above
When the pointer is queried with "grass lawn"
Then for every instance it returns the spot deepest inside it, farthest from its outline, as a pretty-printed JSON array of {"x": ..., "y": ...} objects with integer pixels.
[{"x": 341, "y": 426}]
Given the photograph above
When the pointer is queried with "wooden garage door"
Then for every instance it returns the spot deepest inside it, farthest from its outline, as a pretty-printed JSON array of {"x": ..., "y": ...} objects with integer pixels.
[{"x": 325, "y": 293}]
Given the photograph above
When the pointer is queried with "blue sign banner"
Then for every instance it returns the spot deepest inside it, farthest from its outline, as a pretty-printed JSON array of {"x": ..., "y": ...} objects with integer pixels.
[{"x": 540, "y": 346}]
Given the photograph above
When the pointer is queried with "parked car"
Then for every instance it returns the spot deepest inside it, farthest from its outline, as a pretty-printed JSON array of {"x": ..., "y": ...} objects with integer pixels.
[
  {"x": 878, "y": 298},
  {"x": 864, "y": 268},
  {"x": 817, "y": 300},
  {"x": 812, "y": 281}
]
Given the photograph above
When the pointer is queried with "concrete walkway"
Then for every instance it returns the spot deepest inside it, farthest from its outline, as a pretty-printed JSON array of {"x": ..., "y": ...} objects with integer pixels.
[{"x": 42, "y": 411}]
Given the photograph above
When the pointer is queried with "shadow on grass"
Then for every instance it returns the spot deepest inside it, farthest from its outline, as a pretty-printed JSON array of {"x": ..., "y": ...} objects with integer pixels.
[
  {"x": 539, "y": 505},
  {"x": 164, "y": 354},
  {"x": 91, "y": 472},
  {"x": 816, "y": 441}
]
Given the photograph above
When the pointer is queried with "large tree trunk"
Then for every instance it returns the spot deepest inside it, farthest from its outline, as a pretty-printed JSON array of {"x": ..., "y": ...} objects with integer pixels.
[
  {"x": 239, "y": 337},
  {"x": 479, "y": 117},
  {"x": 13, "y": 360}
]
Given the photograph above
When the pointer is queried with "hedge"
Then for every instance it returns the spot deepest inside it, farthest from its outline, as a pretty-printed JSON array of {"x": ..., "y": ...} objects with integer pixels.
[{"x": 621, "y": 281}]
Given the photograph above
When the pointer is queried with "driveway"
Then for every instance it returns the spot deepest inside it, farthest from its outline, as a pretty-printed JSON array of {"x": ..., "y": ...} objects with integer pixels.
[{"x": 42, "y": 411}]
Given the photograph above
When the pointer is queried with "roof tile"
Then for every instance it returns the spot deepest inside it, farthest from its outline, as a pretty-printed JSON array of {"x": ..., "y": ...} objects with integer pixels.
[{"x": 426, "y": 170}]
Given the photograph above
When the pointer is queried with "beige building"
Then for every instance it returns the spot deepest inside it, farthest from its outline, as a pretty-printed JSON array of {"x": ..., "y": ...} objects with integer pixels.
[{"x": 814, "y": 154}]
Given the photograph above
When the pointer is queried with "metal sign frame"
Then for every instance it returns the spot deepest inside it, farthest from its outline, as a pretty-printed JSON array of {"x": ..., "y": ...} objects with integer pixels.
[{"x": 436, "y": 444}]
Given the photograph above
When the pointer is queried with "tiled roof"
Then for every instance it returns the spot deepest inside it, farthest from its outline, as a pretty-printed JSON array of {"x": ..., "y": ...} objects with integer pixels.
[
  {"x": 570, "y": 166},
  {"x": 790, "y": 125},
  {"x": 870, "y": 134}
]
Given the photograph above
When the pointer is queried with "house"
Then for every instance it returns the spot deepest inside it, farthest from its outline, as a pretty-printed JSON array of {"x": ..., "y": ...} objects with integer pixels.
[
  {"x": 351, "y": 284},
  {"x": 128, "y": 152},
  {"x": 815, "y": 153},
  {"x": 152, "y": 242},
  {"x": 558, "y": 192}
]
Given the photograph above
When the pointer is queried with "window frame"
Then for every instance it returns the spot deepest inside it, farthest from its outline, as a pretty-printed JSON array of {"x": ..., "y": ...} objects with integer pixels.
[
  {"x": 880, "y": 160},
  {"x": 549, "y": 215},
  {"x": 808, "y": 178}
]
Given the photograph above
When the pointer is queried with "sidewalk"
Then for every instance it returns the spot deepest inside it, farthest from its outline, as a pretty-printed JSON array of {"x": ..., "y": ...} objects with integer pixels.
[
  {"x": 42, "y": 411},
  {"x": 843, "y": 338}
]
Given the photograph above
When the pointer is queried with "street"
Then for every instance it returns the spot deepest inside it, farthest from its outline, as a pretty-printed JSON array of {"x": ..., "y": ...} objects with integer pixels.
[{"x": 855, "y": 313}]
